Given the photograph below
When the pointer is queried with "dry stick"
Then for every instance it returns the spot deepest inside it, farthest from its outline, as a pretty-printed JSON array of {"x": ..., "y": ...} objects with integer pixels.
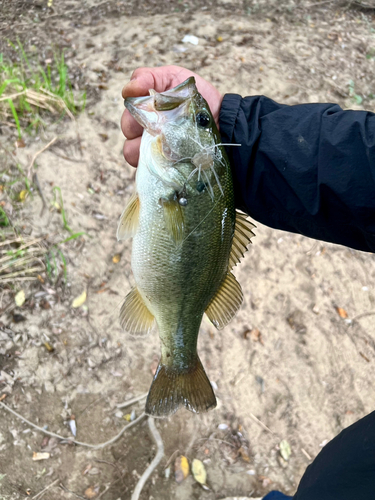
[
  {"x": 37, "y": 154},
  {"x": 131, "y": 401},
  {"x": 72, "y": 441},
  {"x": 261, "y": 423},
  {"x": 41, "y": 493},
  {"x": 363, "y": 315},
  {"x": 150, "y": 469}
]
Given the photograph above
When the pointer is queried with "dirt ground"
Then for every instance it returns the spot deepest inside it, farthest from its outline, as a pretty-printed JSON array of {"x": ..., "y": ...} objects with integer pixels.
[{"x": 288, "y": 367}]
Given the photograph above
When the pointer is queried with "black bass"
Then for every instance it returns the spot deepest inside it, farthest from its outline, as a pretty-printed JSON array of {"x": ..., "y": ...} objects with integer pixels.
[{"x": 187, "y": 237}]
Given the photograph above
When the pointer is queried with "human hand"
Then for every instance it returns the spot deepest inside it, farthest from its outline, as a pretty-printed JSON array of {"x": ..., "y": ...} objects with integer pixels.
[{"x": 161, "y": 79}]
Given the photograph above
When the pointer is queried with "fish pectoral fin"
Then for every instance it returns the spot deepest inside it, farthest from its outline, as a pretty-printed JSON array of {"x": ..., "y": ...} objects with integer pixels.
[
  {"x": 174, "y": 219},
  {"x": 128, "y": 223},
  {"x": 225, "y": 303},
  {"x": 172, "y": 388},
  {"x": 135, "y": 317},
  {"x": 241, "y": 238}
]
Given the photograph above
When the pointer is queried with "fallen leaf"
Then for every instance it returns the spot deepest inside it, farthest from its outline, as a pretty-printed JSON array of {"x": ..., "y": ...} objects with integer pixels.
[
  {"x": 40, "y": 455},
  {"x": 285, "y": 450},
  {"x": 20, "y": 143},
  {"x": 342, "y": 313},
  {"x": 20, "y": 298},
  {"x": 23, "y": 195},
  {"x": 116, "y": 258},
  {"x": 181, "y": 468},
  {"x": 92, "y": 492},
  {"x": 199, "y": 472},
  {"x": 245, "y": 457},
  {"x": 80, "y": 300},
  {"x": 48, "y": 346}
]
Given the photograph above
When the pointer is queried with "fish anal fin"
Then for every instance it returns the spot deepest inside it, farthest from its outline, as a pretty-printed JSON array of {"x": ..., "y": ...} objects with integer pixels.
[
  {"x": 135, "y": 317},
  {"x": 225, "y": 303},
  {"x": 241, "y": 238},
  {"x": 173, "y": 388},
  {"x": 174, "y": 219},
  {"x": 128, "y": 223}
]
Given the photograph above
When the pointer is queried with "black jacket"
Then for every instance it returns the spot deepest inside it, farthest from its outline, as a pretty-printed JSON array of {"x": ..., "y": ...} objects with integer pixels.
[{"x": 308, "y": 168}]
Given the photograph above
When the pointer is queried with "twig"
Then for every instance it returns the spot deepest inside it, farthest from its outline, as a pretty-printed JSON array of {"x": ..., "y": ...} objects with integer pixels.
[
  {"x": 41, "y": 493},
  {"x": 171, "y": 458},
  {"x": 363, "y": 315},
  {"x": 306, "y": 454},
  {"x": 71, "y": 492},
  {"x": 36, "y": 182},
  {"x": 150, "y": 469},
  {"x": 72, "y": 441},
  {"x": 261, "y": 423},
  {"x": 37, "y": 154},
  {"x": 131, "y": 401}
]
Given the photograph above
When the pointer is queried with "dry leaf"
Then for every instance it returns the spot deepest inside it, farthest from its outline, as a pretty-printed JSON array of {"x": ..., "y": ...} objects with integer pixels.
[
  {"x": 181, "y": 468},
  {"x": 48, "y": 346},
  {"x": 342, "y": 313},
  {"x": 199, "y": 472},
  {"x": 80, "y": 300},
  {"x": 285, "y": 450},
  {"x": 116, "y": 258},
  {"x": 20, "y": 143},
  {"x": 245, "y": 457},
  {"x": 20, "y": 298},
  {"x": 92, "y": 492},
  {"x": 40, "y": 455}
]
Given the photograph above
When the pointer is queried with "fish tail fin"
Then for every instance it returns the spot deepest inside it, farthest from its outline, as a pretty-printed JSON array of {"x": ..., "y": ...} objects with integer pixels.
[{"x": 172, "y": 388}]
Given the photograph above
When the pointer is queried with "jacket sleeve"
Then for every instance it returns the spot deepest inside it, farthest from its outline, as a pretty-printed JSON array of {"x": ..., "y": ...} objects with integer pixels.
[{"x": 308, "y": 168}]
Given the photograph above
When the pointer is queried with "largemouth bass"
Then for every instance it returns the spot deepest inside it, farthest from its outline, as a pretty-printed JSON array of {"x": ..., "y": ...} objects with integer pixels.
[{"x": 187, "y": 237}]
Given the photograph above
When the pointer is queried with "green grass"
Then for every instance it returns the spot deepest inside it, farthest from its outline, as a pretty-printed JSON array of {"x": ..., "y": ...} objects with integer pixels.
[{"x": 28, "y": 92}]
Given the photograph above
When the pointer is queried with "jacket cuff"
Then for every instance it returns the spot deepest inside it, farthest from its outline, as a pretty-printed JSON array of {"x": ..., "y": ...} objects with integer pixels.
[{"x": 229, "y": 110}]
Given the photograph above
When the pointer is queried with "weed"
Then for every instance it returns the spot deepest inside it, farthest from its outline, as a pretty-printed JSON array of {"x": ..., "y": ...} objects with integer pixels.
[
  {"x": 28, "y": 92},
  {"x": 355, "y": 97},
  {"x": 4, "y": 221}
]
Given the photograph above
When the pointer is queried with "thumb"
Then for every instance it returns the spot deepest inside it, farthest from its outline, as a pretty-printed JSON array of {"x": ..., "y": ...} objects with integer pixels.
[{"x": 139, "y": 85}]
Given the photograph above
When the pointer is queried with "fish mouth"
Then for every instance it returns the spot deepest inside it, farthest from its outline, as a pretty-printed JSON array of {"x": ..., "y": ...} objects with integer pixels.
[{"x": 152, "y": 111}]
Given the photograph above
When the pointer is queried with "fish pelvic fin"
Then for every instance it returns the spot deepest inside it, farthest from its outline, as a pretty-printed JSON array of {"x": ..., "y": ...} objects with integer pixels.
[
  {"x": 128, "y": 223},
  {"x": 135, "y": 317},
  {"x": 225, "y": 303},
  {"x": 173, "y": 388},
  {"x": 174, "y": 219},
  {"x": 241, "y": 239}
]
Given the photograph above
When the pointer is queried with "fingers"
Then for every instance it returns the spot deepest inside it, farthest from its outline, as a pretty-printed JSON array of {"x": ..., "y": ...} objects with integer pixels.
[
  {"x": 131, "y": 151},
  {"x": 130, "y": 127}
]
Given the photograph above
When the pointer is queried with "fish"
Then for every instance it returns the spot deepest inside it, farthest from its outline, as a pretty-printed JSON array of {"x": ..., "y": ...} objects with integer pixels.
[{"x": 187, "y": 237}]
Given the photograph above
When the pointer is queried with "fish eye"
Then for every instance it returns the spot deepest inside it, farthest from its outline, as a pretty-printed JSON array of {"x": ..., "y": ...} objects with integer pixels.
[{"x": 203, "y": 119}]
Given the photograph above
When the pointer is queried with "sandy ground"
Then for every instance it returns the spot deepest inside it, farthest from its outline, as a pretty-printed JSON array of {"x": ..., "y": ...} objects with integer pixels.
[{"x": 309, "y": 372}]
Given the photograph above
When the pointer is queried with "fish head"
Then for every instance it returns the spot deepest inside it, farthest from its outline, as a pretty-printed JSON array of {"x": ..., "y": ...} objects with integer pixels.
[{"x": 180, "y": 120}]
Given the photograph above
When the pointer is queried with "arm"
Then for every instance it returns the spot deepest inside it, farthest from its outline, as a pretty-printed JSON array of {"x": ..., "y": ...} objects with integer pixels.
[{"x": 307, "y": 168}]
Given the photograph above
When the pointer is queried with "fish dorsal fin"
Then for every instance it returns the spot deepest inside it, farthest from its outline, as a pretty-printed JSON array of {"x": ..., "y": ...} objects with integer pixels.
[
  {"x": 128, "y": 223},
  {"x": 174, "y": 219},
  {"x": 241, "y": 239},
  {"x": 135, "y": 318},
  {"x": 225, "y": 303}
]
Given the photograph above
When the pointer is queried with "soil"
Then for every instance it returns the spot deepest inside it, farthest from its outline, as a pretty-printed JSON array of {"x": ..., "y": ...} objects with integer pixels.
[{"x": 291, "y": 366}]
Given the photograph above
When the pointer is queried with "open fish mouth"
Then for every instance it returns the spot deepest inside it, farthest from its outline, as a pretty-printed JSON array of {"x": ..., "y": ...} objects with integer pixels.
[{"x": 154, "y": 110}]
